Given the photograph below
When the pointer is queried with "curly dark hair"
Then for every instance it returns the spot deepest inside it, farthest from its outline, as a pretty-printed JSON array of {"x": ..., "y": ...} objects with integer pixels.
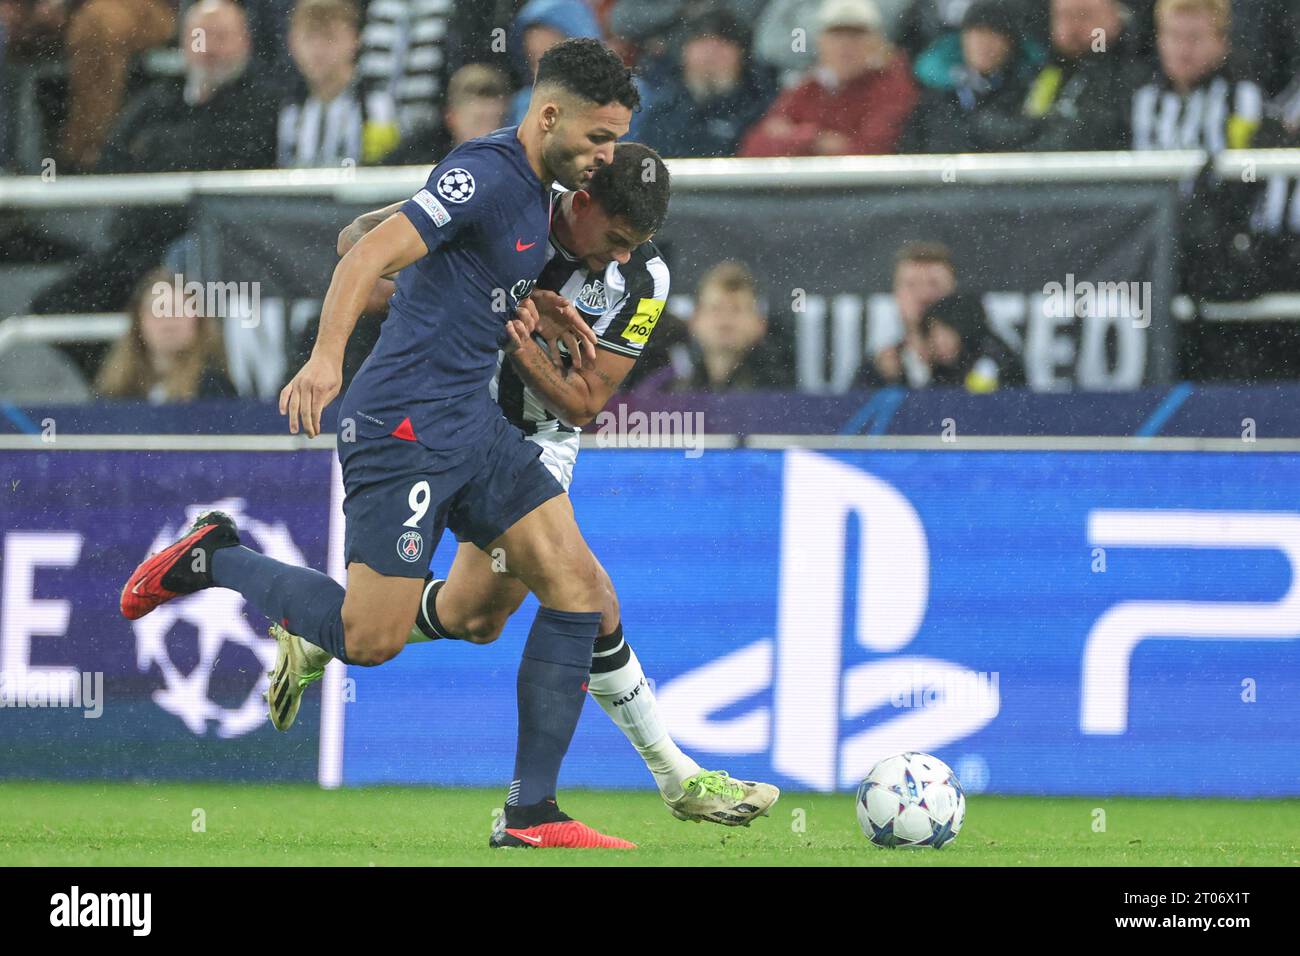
[
  {"x": 634, "y": 186},
  {"x": 589, "y": 69}
]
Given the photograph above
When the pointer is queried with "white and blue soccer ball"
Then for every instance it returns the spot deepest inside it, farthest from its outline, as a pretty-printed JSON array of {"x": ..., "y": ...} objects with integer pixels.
[{"x": 911, "y": 799}]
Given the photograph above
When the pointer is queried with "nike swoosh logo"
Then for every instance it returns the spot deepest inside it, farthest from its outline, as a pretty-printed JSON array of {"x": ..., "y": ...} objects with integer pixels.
[
  {"x": 520, "y": 247},
  {"x": 530, "y": 839},
  {"x": 136, "y": 588}
]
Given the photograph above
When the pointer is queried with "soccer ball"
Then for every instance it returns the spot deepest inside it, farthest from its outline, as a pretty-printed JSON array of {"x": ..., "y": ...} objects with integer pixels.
[{"x": 912, "y": 799}]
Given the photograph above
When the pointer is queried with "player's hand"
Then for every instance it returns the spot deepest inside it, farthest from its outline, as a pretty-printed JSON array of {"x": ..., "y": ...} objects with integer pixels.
[
  {"x": 558, "y": 321},
  {"x": 526, "y": 314},
  {"x": 519, "y": 335},
  {"x": 308, "y": 392}
]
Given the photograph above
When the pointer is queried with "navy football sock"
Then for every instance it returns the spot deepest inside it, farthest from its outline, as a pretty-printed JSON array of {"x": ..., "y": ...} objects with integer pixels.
[
  {"x": 552, "y": 687},
  {"x": 310, "y": 604}
]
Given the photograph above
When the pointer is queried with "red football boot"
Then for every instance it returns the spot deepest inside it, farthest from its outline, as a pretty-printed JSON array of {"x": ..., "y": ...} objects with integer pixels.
[
  {"x": 183, "y": 568},
  {"x": 543, "y": 826}
]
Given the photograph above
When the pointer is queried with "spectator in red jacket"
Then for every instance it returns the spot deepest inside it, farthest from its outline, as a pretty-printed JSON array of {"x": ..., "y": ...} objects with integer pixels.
[{"x": 854, "y": 101}]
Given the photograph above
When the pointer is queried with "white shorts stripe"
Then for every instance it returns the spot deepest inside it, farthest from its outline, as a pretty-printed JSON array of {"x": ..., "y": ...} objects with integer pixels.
[{"x": 559, "y": 453}]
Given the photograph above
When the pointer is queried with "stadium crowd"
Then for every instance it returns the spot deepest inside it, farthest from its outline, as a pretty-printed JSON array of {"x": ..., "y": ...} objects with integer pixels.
[{"x": 125, "y": 86}]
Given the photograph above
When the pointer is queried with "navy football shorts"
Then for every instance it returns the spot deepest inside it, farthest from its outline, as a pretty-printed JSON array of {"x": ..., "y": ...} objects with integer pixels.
[{"x": 400, "y": 496}]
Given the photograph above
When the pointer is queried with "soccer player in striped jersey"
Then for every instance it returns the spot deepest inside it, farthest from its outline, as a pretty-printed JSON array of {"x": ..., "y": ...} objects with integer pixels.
[{"x": 601, "y": 262}]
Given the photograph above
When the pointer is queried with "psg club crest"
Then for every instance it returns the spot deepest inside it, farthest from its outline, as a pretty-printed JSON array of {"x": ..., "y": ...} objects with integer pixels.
[
  {"x": 409, "y": 546},
  {"x": 456, "y": 185}
]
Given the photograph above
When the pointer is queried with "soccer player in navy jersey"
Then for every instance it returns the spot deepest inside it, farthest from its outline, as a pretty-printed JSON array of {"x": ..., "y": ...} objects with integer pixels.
[{"x": 431, "y": 449}]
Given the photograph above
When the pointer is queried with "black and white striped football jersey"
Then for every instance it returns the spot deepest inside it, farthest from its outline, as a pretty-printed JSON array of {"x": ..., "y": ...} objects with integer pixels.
[
  {"x": 1222, "y": 112},
  {"x": 622, "y": 305},
  {"x": 403, "y": 53},
  {"x": 312, "y": 133}
]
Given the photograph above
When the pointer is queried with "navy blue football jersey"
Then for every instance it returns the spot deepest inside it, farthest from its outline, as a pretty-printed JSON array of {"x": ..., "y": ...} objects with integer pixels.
[{"x": 484, "y": 216}]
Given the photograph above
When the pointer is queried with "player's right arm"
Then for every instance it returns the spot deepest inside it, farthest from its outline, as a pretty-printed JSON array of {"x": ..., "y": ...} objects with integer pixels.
[{"x": 392, "y": 245}]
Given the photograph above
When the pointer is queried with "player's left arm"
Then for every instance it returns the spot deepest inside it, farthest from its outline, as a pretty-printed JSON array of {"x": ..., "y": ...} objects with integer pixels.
[
  {"x": 576, "y": 394},
  {"x": 351, "y": 233}
]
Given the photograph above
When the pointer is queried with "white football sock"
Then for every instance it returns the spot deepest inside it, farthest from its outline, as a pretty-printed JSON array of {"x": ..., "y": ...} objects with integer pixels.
[{"x": 625, "y": 695}]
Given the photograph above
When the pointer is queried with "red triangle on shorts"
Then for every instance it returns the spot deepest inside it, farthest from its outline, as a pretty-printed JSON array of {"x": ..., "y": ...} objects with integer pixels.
[{"x": 404, "y": 430}]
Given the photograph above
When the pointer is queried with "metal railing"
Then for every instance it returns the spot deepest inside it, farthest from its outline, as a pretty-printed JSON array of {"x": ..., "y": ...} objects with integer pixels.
[
  {"x": 353, "y": 184},
  {"x": 88, "y": 327}
]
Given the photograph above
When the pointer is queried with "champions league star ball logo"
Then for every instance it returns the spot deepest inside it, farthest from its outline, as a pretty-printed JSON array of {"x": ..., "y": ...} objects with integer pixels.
[
  {"x": 456, "y": 185},
  {"x": 194, "y": 639}
]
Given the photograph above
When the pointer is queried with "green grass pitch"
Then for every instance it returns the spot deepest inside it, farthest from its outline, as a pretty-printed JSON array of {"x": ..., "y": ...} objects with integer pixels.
[{"x": 127, "y": 824}]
